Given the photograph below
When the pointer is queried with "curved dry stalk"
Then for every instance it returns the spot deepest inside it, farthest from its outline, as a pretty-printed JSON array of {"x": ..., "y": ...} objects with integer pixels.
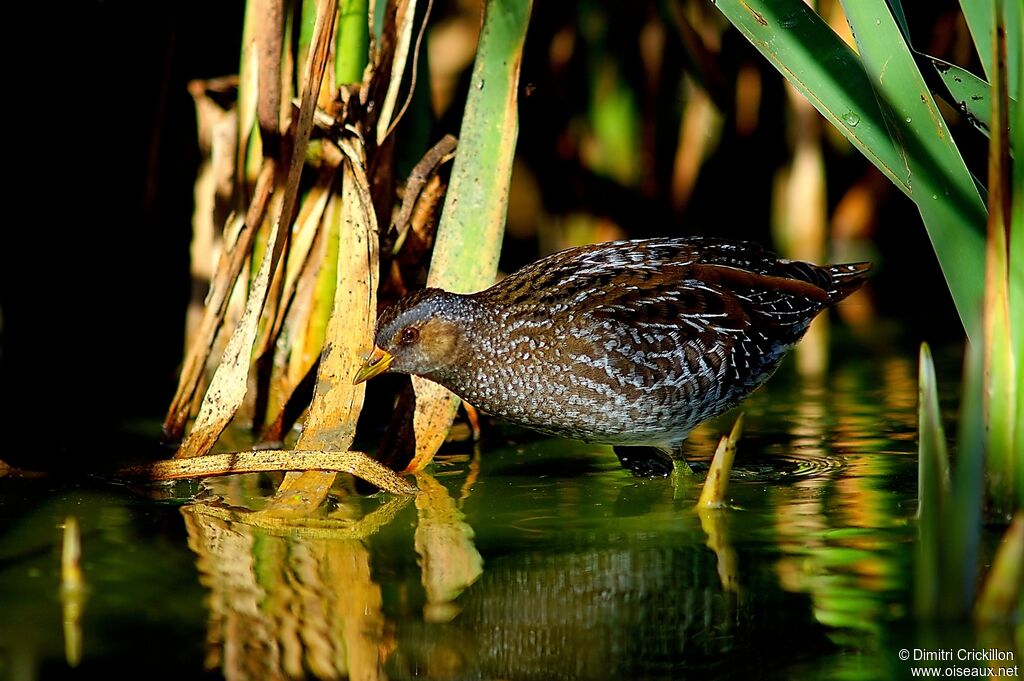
[
  {"x": 716, "y": 486},
  {"x": 356, "y": 463}
]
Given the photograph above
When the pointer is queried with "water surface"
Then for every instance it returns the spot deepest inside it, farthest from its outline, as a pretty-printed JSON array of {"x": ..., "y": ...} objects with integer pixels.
[{"x": 530, "y": 559}]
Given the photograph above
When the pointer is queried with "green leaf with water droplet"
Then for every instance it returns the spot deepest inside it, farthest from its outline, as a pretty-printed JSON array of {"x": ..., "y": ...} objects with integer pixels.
[
  {"x": 824, "y": 69},
  {"x": 882, "y": 87},
  {"x": 933, "y": 163}
]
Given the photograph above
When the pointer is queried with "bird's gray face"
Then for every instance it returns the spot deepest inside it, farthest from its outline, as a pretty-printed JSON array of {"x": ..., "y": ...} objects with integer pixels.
[{"x": 418, "y": 335}]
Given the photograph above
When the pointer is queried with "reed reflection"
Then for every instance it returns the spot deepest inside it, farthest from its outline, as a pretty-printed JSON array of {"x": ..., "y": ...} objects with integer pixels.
[
  {"x": 444, "y": 545},
  {"x": 289, "y": 601},
  {"x": 836, "y": 529},
  {"x": 336, "y": 599}
]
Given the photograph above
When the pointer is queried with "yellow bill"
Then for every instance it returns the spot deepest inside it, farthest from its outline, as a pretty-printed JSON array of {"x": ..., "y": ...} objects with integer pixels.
[{"x": 377, "y": 363}]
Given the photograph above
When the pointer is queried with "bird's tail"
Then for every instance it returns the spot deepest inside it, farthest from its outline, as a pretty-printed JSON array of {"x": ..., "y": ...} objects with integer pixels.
[{"x": 846, "y": 279}]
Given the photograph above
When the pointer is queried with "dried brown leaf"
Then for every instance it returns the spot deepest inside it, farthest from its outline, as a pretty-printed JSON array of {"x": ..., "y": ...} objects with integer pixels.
[
  {"x": 274, "y": 382},
  {"x": 248, "y": 102},
  {"x": 268, "y": 34},
  {"x": 424, "y": 171},
  {"x": 405, "y": 13},
  {"x": 217, "y": 133},
  {"x": 229, "y": 268},
  {"x": 228, "y": 387},
  {"x": 337, "y": 402}
]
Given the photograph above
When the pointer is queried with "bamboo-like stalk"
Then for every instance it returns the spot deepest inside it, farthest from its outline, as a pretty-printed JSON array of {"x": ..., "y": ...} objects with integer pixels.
[
  {"x": 1003, "y": 446},
  {"x": 473, "y": 218},
  {"x": 352, "y": 42}
]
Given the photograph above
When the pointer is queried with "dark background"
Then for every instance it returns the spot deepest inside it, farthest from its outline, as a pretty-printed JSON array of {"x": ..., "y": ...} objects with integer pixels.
[{"x": 95, "y": 279}]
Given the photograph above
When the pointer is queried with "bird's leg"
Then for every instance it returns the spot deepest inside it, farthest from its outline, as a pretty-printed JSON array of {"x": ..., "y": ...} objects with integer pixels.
[
  {"x": 682, "y": 465},
  {"x": 473, "y": 416},
  {"x": 645, "y": 462}
]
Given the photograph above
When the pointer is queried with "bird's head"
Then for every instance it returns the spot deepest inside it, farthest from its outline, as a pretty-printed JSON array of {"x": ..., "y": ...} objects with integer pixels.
[{"x": 421, "y": 334}]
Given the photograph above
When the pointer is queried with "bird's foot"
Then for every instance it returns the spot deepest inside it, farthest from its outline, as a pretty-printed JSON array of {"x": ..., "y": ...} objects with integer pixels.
[{"x": 645, "y": 462}]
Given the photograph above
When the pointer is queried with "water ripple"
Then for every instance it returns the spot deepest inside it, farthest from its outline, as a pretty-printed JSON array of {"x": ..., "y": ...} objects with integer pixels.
[{"x": 788, "y": 466}]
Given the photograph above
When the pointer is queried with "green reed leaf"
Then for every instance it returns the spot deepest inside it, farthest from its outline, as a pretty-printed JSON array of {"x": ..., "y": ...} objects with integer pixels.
[
  {"x": 941, "y": 186},
  {"x": 880, "y": 103},
  {"x": 933, "y": 488}
]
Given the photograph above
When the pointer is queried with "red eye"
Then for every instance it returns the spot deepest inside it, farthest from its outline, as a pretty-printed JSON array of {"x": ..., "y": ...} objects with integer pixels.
[{"x": 410, "y": 334}]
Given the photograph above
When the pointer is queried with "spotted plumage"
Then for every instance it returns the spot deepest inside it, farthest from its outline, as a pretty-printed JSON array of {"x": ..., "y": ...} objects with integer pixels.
[{"x": 622, "y": 343}]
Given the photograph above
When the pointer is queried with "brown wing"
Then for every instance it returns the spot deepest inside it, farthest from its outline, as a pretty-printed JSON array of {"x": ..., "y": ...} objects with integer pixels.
[
  {"x": 577, "y": 272},
  {"x": 697, "y": 284}
]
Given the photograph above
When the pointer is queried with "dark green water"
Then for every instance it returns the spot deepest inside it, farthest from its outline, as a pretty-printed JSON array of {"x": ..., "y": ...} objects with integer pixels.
[{"x": 534, "y": 560}]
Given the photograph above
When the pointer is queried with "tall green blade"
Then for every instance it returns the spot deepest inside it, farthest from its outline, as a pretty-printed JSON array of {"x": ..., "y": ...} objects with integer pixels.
[
  {"x": 1015, "y": 76},
  {"x": 932, "y": 491},
  {"x": 962, "y": 521},
  {"x": 1016, "y": 293},
  {"x": 941, "y": 186},
  {"x": 473, "y": 219},
  {"x": 979, "y": 15},
  {"x": 1001, "y": 367}
]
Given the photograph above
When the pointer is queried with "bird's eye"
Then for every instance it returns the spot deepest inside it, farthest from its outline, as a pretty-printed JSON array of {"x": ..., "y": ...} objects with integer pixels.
[{"x": 410, "y": 334}]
